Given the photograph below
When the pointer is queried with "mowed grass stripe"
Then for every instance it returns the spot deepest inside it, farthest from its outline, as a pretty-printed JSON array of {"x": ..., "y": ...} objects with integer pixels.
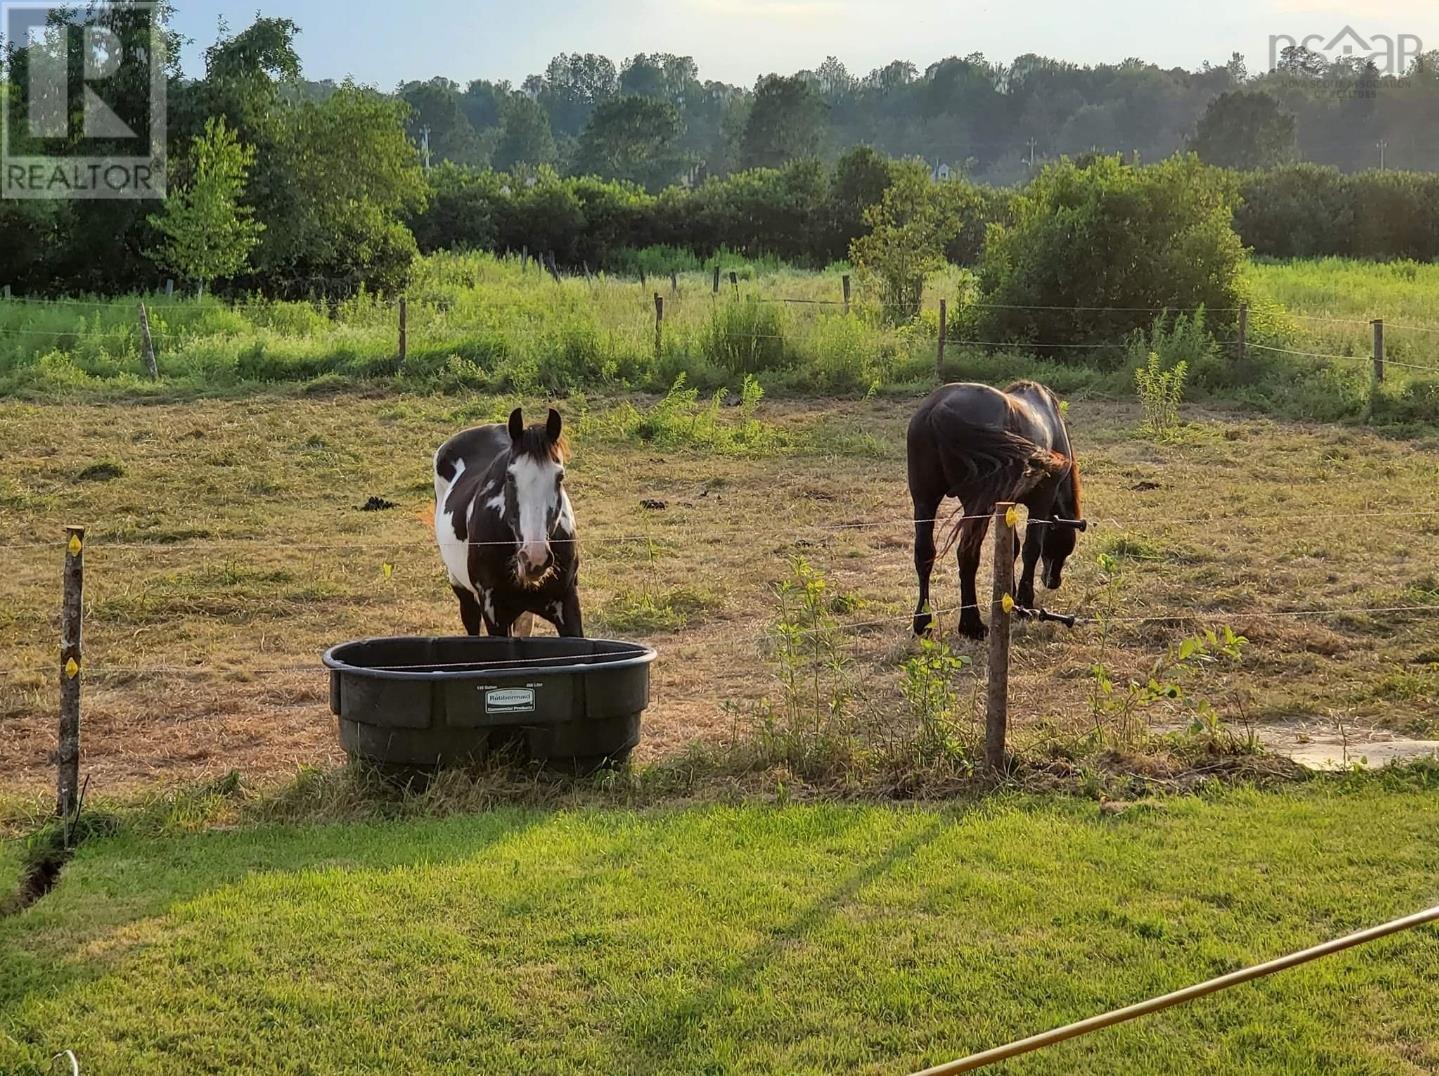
[{"x": 797, "y": 939}]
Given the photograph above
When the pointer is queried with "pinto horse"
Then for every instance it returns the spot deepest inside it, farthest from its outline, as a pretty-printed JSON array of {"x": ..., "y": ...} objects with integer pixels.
[
  {"x": 505, "y": 527},
  {"x": 984, "y": 446}
]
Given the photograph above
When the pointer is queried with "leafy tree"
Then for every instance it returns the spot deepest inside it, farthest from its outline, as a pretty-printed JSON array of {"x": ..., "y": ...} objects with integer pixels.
[
  {"x": 908, "y": 230},
  {"x": 354, "y": 176},
  {"x": 632, "y": 138},
  {"x": 662, "y": 76},
  {"x": 1245, "y": 129},
  {"x": 483, "y": 103},
  {"x": 573, "y": 86},
  {"x": 525, "y": 136},
  {"x": 208, "y": 233},
  {"x": 785, "y": 122},
  {"x": 436, "y": 107},
  {"x": 1302, "y": 62},
  {"x": 861, "y": 176}
]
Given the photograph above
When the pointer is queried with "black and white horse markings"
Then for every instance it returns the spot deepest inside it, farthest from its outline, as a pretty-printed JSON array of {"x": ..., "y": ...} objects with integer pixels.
[
  {"x": 984, "y": 446},
  {"x": 505, "y": 527}
]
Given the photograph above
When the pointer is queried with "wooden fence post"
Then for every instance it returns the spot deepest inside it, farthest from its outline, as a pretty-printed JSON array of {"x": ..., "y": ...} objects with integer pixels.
[
  {"x": 1241, "y": 348},
  {"x": 844, "y": 284},
  {"x": 67, "y": 756},
  {"x": 170, "y": 288},
  {"x": 1378, "y": 325},
  {"x": 659, "y": 322},
  {"x": 674, "y": 282},
  {"x": 404, "y": 329},
  {"x": 524, "y": 257},
  {"x": 644, "y": 281},
  {"x": 716, "y": 279},
  {"x": 148, "y": 344},
  {"x": 943, "y": 332},
  {"x": 996, "y": 710},
  {"x": 6, "y": 291},
  {"x": 734, "y": 281}
]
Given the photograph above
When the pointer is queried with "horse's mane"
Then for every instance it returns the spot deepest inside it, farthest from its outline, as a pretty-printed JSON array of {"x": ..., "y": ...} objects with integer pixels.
[
  {"x": 1074, "y": 485},
  {"x": 1073, "y": 461},
  {"x": 536, "y": 442}
]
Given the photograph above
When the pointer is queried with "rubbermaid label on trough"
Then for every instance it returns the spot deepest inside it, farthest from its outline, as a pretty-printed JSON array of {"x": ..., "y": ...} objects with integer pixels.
[{"x": 510, "y": 700}]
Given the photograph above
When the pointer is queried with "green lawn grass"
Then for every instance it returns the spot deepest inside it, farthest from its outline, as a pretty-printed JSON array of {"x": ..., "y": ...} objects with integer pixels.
[
  {"x": 739, "y": 939},
  {"x": 12, "y": 858}
]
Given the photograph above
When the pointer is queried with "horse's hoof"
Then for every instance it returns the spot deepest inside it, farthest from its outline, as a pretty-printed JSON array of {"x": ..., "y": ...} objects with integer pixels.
[
  {"x": 973, "y": 629},
  {"x": 922, "y": 625}
]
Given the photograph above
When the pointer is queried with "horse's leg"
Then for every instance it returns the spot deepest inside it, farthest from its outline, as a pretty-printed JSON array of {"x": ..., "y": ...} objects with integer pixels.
[
  {"x": 971, "y": 544},
  {"x": 497, "y": 620},
  {"x": 1033, "y": 543},
  {"x": 570, "y": 623},
  {"x": 470, "y": 613},
  {"x": 924, "y": 516}
]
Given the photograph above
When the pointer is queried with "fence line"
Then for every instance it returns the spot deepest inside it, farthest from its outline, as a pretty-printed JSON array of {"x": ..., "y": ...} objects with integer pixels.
[
  {"x": 1346, "y": 358},
  {"x": 796, "y": 300},
  {"x": 98, "y": 546},
  {"x": 758, "y": 636}
]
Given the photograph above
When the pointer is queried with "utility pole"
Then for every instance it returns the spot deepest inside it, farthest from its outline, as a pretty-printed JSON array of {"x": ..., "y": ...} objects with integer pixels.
[
  {"x": 1031, "y": 154},
  {"x": 425, "y": 145},
  {"x": 1383, "y": 145}
]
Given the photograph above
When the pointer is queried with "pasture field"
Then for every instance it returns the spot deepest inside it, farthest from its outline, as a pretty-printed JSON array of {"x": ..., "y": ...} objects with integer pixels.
[
  {"x": 228, "y": 547},
  {"x": 800, "y": 939}
]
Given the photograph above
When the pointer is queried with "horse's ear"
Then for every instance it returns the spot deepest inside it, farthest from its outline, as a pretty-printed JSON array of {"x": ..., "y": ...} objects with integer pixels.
[
  {"x": 517, "y": 424},
  {"x": 554, "y": 425}
]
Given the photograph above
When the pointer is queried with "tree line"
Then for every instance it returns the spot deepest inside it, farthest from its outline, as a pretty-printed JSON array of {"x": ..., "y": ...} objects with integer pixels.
[
  {"x": 292, "y": 188},
  {"x": 652, "y": 120}
]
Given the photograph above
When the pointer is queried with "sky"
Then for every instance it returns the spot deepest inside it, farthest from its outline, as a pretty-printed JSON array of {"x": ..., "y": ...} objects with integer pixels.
[{"x": 383, "y": 43}]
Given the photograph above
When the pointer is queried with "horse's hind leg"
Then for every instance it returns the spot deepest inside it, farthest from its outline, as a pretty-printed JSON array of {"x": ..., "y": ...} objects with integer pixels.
[
  {"x": 971, "y": 544},
  {"x": 470, "y": 613},
  {"x": 924, "y": 516},
  {"x": 1033, "y": 543}
]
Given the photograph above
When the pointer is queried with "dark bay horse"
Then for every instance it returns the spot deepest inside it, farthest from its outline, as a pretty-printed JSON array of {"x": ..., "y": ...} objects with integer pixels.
[
  {"x": 506, "y": 529},
  {"x": 984, "y": 446}
]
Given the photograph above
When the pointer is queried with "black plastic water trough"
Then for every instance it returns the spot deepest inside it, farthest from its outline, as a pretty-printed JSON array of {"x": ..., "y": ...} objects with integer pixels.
[{"x": 411, "y": 701}]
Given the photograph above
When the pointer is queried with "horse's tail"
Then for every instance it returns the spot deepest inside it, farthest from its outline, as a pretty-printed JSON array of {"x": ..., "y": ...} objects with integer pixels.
[{"x": 983, "y": 465}]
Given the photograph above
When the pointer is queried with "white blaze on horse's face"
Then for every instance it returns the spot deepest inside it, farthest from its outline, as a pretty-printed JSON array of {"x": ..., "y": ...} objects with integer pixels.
[{"x": 537, "y": 499}]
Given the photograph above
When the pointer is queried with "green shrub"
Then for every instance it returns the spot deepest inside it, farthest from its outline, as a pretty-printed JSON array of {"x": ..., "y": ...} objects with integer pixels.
[
  {"x": 1095, "y": 250},
  {"x": 908, "y": 230}
]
